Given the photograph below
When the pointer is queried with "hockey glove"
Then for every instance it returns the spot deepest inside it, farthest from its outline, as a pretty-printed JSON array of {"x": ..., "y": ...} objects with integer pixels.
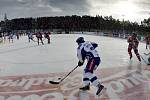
[{"x": 80, "y": 63}]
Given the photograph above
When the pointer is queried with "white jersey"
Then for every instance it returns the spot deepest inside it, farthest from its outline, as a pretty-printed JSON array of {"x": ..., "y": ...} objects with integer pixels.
[{"x": 87, "y": 51}]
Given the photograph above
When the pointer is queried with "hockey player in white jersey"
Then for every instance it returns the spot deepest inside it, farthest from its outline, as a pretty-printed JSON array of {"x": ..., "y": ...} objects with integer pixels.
[
  {"x": 30, "y": 36},
  {"x": 86, "y": 51}
]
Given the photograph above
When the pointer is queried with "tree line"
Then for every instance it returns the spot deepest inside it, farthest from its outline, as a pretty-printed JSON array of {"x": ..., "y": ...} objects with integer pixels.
[{"x": 77, "y": 23}]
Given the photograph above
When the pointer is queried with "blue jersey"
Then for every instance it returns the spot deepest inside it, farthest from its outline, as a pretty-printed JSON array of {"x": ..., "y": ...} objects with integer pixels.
[
  {"x": 30, "y": 35},
  {"x": 87, "y": 51}
]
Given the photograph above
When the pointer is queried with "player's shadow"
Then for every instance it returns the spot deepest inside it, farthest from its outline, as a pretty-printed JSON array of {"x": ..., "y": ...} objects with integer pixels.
[
  {"x": 133, "y": 80},
  {"x": 17, "y": 49},
  {"x": 131, "y": 68},
  {"x": 139, "y": 68}
]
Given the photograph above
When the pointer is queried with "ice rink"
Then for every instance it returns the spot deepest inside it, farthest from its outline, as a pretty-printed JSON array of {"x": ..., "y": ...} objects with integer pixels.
[{"x": 26, "y": 69}]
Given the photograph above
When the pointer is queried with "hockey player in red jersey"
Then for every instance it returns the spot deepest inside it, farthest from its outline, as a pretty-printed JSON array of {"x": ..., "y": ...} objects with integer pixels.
[
  {"x": 133, "y": 44},
  {"x": 47, "y": 36},
  {"x": 39, "y": 37}
]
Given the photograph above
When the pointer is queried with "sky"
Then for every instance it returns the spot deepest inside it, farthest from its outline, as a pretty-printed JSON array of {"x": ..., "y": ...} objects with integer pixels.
[{"x": 133, "y": 10}]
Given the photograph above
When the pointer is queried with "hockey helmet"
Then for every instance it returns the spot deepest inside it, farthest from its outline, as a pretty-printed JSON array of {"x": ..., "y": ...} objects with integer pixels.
[
  {"x": 80, "y": 40},
  {"x": 134, "y": 34}
]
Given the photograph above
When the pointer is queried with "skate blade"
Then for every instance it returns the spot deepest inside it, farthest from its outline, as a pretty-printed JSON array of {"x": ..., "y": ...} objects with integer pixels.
[{"x": 103, "y": 90}]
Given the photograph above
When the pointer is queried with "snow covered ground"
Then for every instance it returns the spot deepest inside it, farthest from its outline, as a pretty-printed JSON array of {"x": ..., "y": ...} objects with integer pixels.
[{"x": 26, "y": 68}]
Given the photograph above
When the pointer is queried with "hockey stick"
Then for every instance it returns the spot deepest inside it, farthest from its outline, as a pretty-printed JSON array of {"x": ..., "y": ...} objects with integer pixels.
[
  {"x": 37, "y": 41},
  {"x": 53, "y": 82}
]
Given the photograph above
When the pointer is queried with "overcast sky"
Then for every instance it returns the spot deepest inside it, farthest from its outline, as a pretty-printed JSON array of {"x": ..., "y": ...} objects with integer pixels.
[{"x": 133, "y": 10}]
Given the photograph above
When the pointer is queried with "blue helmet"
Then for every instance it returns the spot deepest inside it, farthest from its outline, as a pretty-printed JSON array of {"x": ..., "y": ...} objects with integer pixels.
[{"x": 80, "y": 40}]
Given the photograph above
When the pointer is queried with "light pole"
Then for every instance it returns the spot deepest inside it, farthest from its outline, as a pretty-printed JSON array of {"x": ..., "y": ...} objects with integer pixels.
[
  {"x": 123, "y": 24},
  {"x": 5, "y": 22},
  {"x": 123, "y": 27}
]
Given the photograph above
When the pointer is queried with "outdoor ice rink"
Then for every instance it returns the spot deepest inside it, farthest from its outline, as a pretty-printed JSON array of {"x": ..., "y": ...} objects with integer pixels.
[{"x": 26, "y": 69}]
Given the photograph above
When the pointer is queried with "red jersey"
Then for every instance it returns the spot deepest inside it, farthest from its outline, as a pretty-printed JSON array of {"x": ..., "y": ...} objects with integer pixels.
[
  {"x": 147, "y": 38},
  {"x": 133, "y": 41}
]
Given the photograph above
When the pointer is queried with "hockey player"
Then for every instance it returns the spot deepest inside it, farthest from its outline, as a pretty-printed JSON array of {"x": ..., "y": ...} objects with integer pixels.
[
  {"x": 17, "y": 35},
  {"x": 10, "y": 37},
  {"x": 30, "y": 36},
  {"x": 133, "y": 44},
  {"x": 47, "y": 36},
  {"x": 87, "y": 51},
  {"x": 39, "y": 37}
]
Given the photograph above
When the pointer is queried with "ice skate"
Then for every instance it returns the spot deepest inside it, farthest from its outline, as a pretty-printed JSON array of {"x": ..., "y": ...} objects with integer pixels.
[
  {"x": 85, "y": 88},
  {"x": 100, "y": 89}
]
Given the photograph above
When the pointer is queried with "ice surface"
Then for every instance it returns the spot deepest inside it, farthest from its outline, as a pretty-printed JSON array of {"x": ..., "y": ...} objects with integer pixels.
[
  {"x": 25, "y": 58},
  {"x": 26, "y": 69}
]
